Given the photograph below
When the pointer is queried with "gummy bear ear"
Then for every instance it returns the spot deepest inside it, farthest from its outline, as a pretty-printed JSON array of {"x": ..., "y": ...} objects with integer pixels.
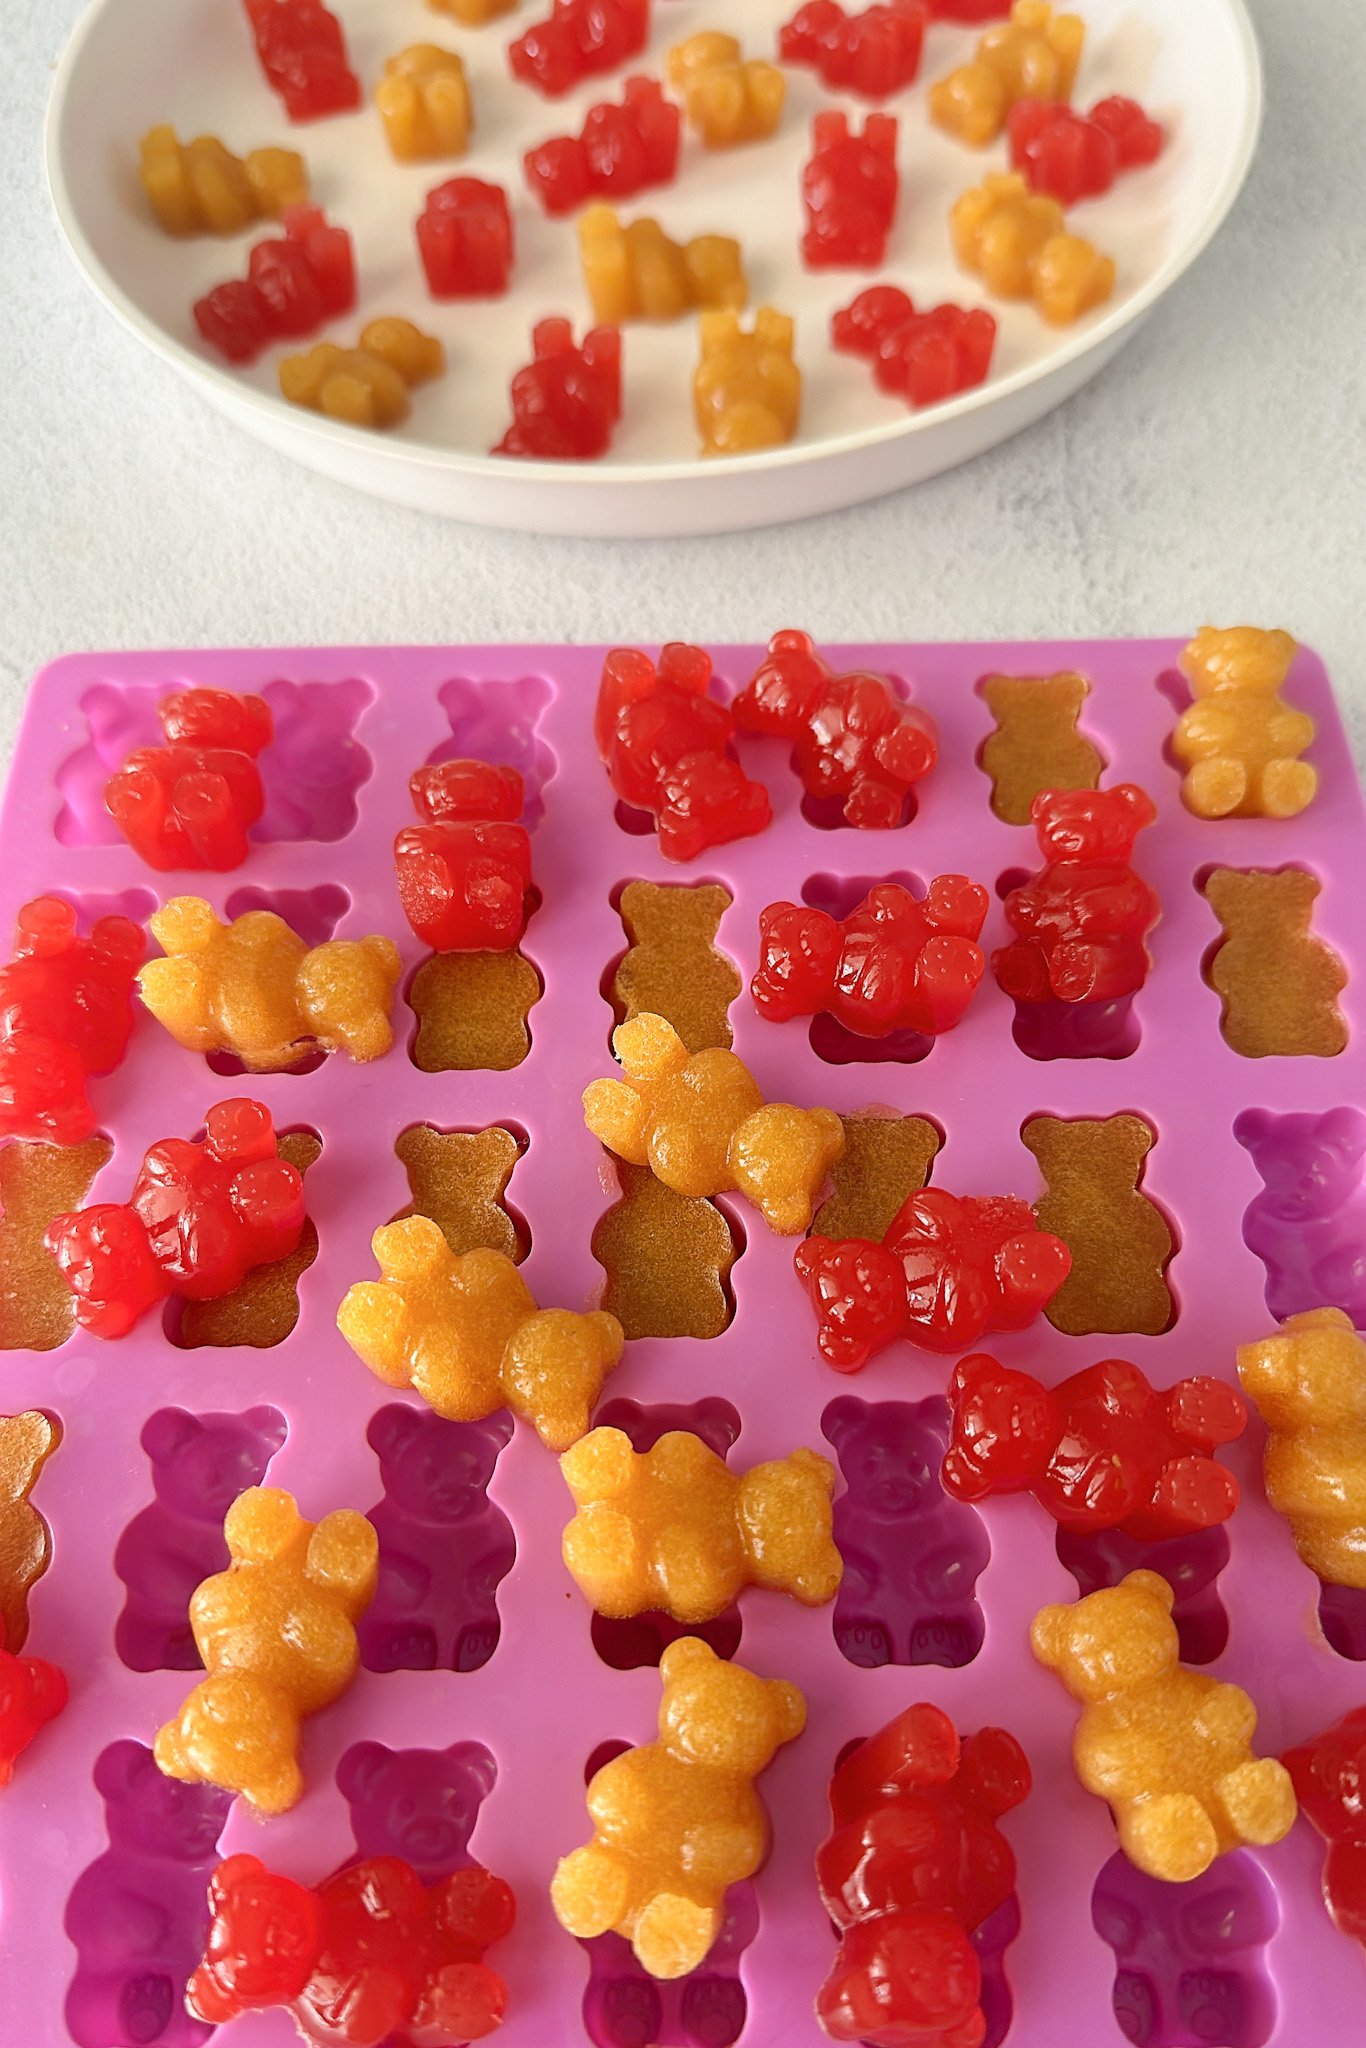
[
  {"x": 361, "y": 1769},
  {"x": 1252, "y": 1127},
  {"x": 683, "y": 1655},
  {"x": 475, "y": 1762},
  {"x": 1137, "y": 802},
  {"x": 1345, "y": 1130},
  {"x": 1050, "y": 1635},
  {"x": 1152, "y": 1586}
]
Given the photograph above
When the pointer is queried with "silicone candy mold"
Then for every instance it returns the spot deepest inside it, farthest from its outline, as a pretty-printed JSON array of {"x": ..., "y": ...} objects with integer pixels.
[{"x": 103, "y": 1908}]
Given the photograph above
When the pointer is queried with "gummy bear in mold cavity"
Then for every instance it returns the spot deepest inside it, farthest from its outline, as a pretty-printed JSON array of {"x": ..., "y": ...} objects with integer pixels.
[
  {"x": 1279, "y": 983},
  {"x": 38, "y": 1182},
  {"x": 313, "y": 913},
  {"x": 885, "y": 1160},
  {"x": 499, "y": 721},
  {"x": 1190, "y": 1564},
  {"x": 672, "y": 965},
  {"x": 315, "y": 764},
  {"x": 27, "y": 1441},
  {"x": 1308, "y": 1225},
  {"x": 444, "y": 1546},
  {"x": 912, "y": 1557},
  {"x": 473, "y": 1012},
  {"x": 1119, "y": 1238},
  {"x": 667, "y": 1257},
  {"x": 1191, "y": 1959},
  {"x": 1037, "y": 743},
  {"x": 460, "y": 1180},
  {"x": 623, "y": 2007},
  {"x": 263, "y": 1310},
  {"x": 200, "y": 1463},
  {"x": 136, "y": 1916},
  {"x": 420, "y": 1804}
]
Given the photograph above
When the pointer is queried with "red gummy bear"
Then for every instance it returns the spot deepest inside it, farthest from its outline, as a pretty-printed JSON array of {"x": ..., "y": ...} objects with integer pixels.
[
  {"x": 201, "y": 1215},
  {"x": 577, "y": 39},
  {"x": 303, "y": 54},
  {"x": 1329, "y": 1776},
  {"x": 66, "y": 1009},
  {"x": 895, "y": 963},
  {"x": 621, "y": 150},
  {"x": 874, "y": 53},
  {"x": 849, "y": 190},
  {"x": 1080, "y": 923},
  {"x": 968, "y": 11},
  {"x": 294, "y": 283},
  {"x": 916, "y": 1863},
  {"x": 464, "y": 875},
  {"x": 464, "y": 237},
  {"x": 566, "y": 401},
  {"x": 32, "y": 1693},
  {"x": 666, "y": 747},
  {"x": 369, "y": 1953},
  {"x": 950, "y": 1268},
  {"x": 921, "y": 357},
  {"x": 1076, "y": 156},
  {"x": 1104, "y": 1450},
  {"x": 855, "y": 742},
  {"x": 191, "y": 803}
]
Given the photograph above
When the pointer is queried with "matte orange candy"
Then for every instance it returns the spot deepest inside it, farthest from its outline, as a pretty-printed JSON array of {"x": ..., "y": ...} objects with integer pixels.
[
  {"x": 366, "y": 386},
  {"x": 1015, "y": 240},
  {"x": 425, "y": 105},
  {"x": 634, "y": 271},
  {"x": 1033, "y": 56},
  {"x": 1240, "y": 742},
  {"x": 1309, "y": 1386},
  {"x": 201, "y": 188},
  {"x": 747, "y": 388},
  {"x": 728, "y": 98}
]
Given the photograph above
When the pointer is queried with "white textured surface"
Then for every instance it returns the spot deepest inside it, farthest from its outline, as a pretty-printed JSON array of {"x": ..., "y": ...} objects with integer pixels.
[{"x": 1214, "y": 470}]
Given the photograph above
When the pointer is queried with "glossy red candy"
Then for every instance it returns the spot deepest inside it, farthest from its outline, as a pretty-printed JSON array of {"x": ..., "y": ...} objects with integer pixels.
[
  {"x": 849, "y": 190},
  {"x": 202, "y": 1213},
  {"x": 1329, "y": 1776},
  {"x": 1080, "y": 923},
  {"x": 874, "y": 52},
  {"x": 32, "y": 1693},
  {"x": 464, "y": 874},
  {"x": 621, "y": 150},
  {"x": 1103, "y": 1450},
  {"x": 464, "y": 237},
  {"x": 294, "y": 283},
  {"x": 303, "y": 54},
  {"x": 896, "y": 963},
  {"x": 921, "y": 357},
  {"x": 1074, "y": 156},
  {"x": 1138, "y": 139},
  {"x": 567, "y": 400},
  {"x": 66, "y": 1009},
  {"x": 578, "y": 39},
  {"x": 969, "y": 11},
  {"x": 191, "y": 803}
]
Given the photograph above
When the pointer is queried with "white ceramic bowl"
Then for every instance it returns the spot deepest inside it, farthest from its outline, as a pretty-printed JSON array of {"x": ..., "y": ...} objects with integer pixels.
[{"x": 133, "y": 63}]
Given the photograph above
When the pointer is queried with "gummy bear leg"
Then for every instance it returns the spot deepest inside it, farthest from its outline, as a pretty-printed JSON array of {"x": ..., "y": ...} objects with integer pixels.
[
  {"x": 1215, "y": 789},
  {"x": 1258, "y": 1800},
  {"x": 1171, "y": 1837},
  {"x": 1287, "y": 787},
  {"x": 590, "y": 1891},
  {"x": 673, "y": 1935}
]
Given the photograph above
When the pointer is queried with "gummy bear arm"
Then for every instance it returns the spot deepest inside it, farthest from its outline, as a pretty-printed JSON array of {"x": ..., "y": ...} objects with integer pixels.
[
  {"x": 1226, "y": 1716},
  {"x": 343, "y": 1557},
  {"x": 1290, "y": 731},
  {"x": 373, "y": 1318},
  {"x": 615, "y": 1115},
  {"x": 1206, "y": 1412}
]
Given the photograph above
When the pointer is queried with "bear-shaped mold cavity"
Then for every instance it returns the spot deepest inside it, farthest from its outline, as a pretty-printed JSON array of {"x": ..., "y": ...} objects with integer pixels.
[
  {"x": 672, "y": 966},
  {"x": 1190, "y": 1959},
  {"x": 419, "y": 1804},
  {"x": 473, "y": 1012},
  {"x": 1120, "y": 1240},
  {"x": 912, "y": 1557},
  {"x": 1037, "y": 743},
  {"x": 459, "y": 1179},
  {"x": 1190, "y": 1564},
  {"x": 885, "y": 1160},
  {"x": 444, "y": 1546},
  {"x": 838, "y": 896},
  {"x": 667, "y": 1258},
  {"x": 137, "y": 1916},
  {"x": 1279, "y": 984},
  {"x": 264, "y": 1309},
  {"x": 200, "y": 1463},
  {"x": 38, "y": 1182},
  {"x": 27, "y": 1441},
  {"x": 498, "y": 722},
  {"x": 1308, "y": 1224},
  {"x": 623, "y": 2007}
]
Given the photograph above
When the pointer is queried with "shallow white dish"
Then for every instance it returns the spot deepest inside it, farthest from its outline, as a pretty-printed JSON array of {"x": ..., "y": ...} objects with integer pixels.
[{"x": 133, "y": 63}]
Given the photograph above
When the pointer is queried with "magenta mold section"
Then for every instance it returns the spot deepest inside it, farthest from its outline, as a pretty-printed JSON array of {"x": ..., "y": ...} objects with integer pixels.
[{"x": 485, "y": 1683}]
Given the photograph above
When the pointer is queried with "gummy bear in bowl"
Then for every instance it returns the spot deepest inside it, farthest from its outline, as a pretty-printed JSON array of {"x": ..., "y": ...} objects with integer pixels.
[{"x": 178, "y": 88}]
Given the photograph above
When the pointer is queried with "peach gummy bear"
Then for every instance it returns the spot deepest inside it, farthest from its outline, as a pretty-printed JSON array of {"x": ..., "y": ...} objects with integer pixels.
[
  {"x": 424, "y": 103},
  {"x": 634, "y": 271},
  {"x": 678, "y": 1821},
  {"x": 276, "y": 1632},
  {"x": 672, "y": 1529},
  {"x": 1309, "y": 1386},
  {"x": 700, "y": 1124},
  {"x": 728, "y": 98},
  {"x": 1240, "y": 742},
  {"x": 254, "y": 989},
  {"x": 1170, "y": 1749},
  {"x": 200, "y": 187},
  {"x": 462, "y": 1330},
  {"x": 1033, "y": 56},
  {"x": 366, "y": 386},
  {"x": 1015, "y": 241},
  {"x": 472, "y": 13},
  {"x": 747, "y": 389}
]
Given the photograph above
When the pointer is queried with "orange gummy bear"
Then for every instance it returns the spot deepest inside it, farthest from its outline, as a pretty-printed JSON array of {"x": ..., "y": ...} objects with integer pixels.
[
  {"x": 634, "y": 271},
  {"x": 462, "y": 1330},
  {"x": 366, "y": 386},
  {"x": 728, "y": 98},
  {"x": 424, "y": 103},
  {"x": 1309, "y": 1386},
  {"x": 677, "y": 1821},
  {"x": 276, "y": 1633},
  {"x": 1015, "y": 241},
  {"x": 253, "y": 988},
  {"x": 1033, "y": 56},
  {"x": 673, "y": 1530},
  {"x": 1170, "y": 1749},
  {"x": 472, "y": 13},
  {"x": 747, "y": 389},
  {"x": 700, "y": 1124},
  {"x": 1240, "y": 742},
  {"x": 200, "y": 187}
]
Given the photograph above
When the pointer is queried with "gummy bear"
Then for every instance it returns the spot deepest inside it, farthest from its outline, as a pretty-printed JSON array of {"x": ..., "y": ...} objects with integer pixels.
[
  {"x": 200, "y": 187},
  {"x": 950, "y": 1269},
  {"x": 201, "y": 1215},
  {"x": 922, "y": 357},
  {"x": 620, "y": 150},
  {"x": 276, "y": 1633},
  {"x": 1329, "y": 1776},
  {"x": 578, "y": 39},
  {"x": 1308, "y": 1383},
  {"x": 463, "y": 1331},
  {"x": 1240, "y": 742},
  {"x": 464, "y": 873},
  {"x": 849, "y": 191},
  {"x": 666, "y": 745},
  {"x": 567, "y": 400},
  {"x": 677, "y": 1821},
  {"x": 701, "y": 1125},
  {"x": 303, "y": 54},
  {"x": 914, "y": 1866},
  {"x": 424, "y": 103},
  {"x": 1101, "y": 1450},
  {"x": 634, "y": 271},
  {"x": 1032, "y": 56},
  {"x": 254, "y": 989},
  {"x": 729, "y": 98},
  {"x": 967, "y": 11},
  {"x": 747, "y": 388},
  {"x": 366, "y": 386},
  {"x": 473, "y": 13},
  {"x": 32, "y": 1693},
  {"x": 875, "y": 52},
  {"x": 293, "y": 284},
  {"x": 191, "y": 802},
  {"x": 66, "y": 1011},
  {"x": 1170, "y": 1749},
  {"x": 672, "y": 1530},
  {"x": 1016, "y": 241},
  {"x": 855, "y": 742},
  {"x": 1075, "y": 156},
  {"x": 895, "y": 963},
  {"x": 369, "y": 1953},
  {"x": 464, "y": 237}
]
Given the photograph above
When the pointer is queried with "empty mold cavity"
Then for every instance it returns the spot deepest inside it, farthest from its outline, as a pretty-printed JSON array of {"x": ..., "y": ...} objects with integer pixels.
[
  {"x": 472, "y": 1012},
  {"x": 26, "y": 1443},
  {"x": 1190, "y": 1564},
  {"x": 625, "y": 2008},
  {"x": 1037, "y": 744},
  {"x": 265, "y": 1308},
  {"x": 1342, "y": 1617},
  {"x": 1120, "y": 1241},
  {"x": 444, "y": 1547},
  {"x": 885, "y": 1160},
  {"x": 912, "y": 1557},
  {"x": 667, "y": 1258},
  {"x": 418, "y": 1804},
  {"x": 118, "y": 719},
  {"x": 1190, "y": 1959},
  {"x": 90, "y": 905},
  {"x": 838, "y": 895},
  {"x": 200, "y": 1463},
  {"x": 459, "y": 1179},
  {"x": 672, "y": 966},
  {"x": 492, "y": 721},
  {"x": 1308, "y": 1224},
  {"x": 137, "y": 1916},
  {"x": 313, "y": 914},
  {"x": 38, "y": 1182},
  {"x": 1278, "y": 983},
  {"x": 314, "y": 765}
]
